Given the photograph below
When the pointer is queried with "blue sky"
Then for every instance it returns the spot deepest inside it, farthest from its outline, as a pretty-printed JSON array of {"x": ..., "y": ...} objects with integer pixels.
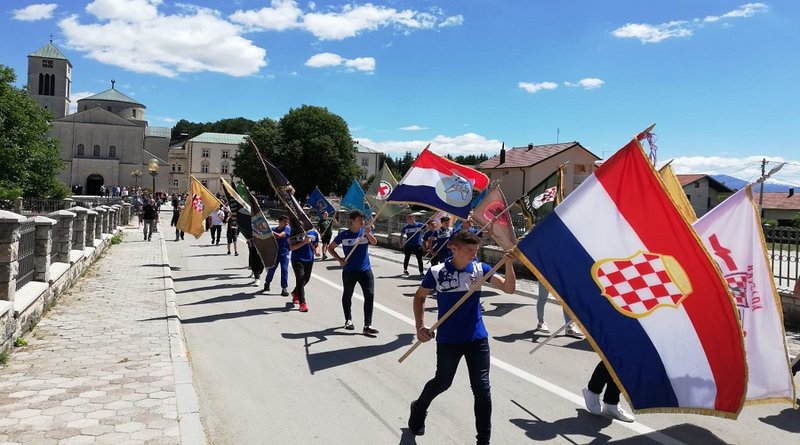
[{"x": 719, "y": 78}]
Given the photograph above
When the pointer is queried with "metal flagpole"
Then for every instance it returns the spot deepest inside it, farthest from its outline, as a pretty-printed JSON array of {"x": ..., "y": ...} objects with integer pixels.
[
  {"x": 552, "y": 336},
  {"x": 458, "y": 304}
]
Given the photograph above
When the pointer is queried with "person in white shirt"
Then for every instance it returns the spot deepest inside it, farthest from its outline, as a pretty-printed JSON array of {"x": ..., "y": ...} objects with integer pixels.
[{"x": 217, "y": 217}]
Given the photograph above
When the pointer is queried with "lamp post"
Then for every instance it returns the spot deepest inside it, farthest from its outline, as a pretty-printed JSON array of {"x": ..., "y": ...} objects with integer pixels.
[
  {"x": 152, "y": 167},
  {"x": 136, "y": 174}
]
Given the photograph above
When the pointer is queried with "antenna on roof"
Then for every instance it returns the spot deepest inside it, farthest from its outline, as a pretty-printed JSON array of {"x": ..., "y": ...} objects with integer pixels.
[
  {"x": 112, "y": 83},
  {"x": 51, "y": 38},
  {"x": 558, "y": 132}
]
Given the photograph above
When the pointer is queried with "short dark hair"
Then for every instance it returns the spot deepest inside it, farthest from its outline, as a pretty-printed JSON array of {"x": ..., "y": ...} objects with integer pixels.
[
  {"x": 283, "y": 218},
  {"x": 356, "y": 214},
  {"x": 465, "y": 237},
  {"x": 445, "y": 218}
]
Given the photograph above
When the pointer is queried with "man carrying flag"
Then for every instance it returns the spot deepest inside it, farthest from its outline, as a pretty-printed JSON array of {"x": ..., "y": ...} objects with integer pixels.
[
  {"x": 324, "y": 209},
  {"x": 652, "y": 302},
  {"x": 200, "y": 203}
]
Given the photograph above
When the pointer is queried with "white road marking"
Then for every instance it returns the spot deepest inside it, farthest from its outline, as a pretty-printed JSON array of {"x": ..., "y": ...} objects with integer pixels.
[{"x": 636, "y": 427}]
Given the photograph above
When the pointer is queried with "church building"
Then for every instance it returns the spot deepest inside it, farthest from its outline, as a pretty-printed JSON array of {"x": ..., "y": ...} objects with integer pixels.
[{"x": 107, "y": 141}]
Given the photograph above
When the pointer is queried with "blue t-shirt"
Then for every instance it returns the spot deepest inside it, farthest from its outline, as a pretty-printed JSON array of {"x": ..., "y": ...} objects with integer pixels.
[
  {"x": 305, "y": 254},
  {"x": 413, "y": 234},
  {"x": 466, "y": 323},
  {"x": 441, "y": 238},
  {"x": 359, "y": 260},
  {"x": 283, "y": 243}
]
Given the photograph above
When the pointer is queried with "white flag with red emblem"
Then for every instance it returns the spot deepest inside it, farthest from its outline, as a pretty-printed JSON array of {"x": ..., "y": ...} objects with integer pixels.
[{"x": 381, "y": 187}]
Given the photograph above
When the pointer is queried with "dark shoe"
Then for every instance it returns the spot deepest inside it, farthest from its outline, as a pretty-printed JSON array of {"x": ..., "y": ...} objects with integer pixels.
[
  {"x": 236, "y": 254},
  {"x": 284, "y": 292},
  {"x": 266, "y": 287},
  {"x": 416, "y": 420},
  {"x": 369, "y": 331},
  {"x": 229, "y": 252},
  {"x": 349, "y": 325}
]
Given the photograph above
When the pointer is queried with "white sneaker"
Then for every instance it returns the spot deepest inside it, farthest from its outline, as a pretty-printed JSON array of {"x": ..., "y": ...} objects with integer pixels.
[
  {"x": 573, "y": 331},
  {"x": 257, "y": 282},
  {"x": 543, "y": 328},
  {"x": 592, "y": 401},
  {"x": 615, "y": 412}
]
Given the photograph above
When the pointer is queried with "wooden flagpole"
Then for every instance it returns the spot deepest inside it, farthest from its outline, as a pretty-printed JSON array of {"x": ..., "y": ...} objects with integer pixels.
[
  {"x": 458, "y": 304},
  {"x": 552, "y": 336},
  {"x": 371, "y": 221}
]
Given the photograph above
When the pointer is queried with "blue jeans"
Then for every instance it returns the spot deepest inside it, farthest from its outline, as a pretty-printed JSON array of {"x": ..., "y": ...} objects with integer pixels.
[
  {"x": 367, "y": 282},
  {"x": 542, "y": 300},
  {"x": 477, "y": 356},
  {"x": 283, "y": 261}
]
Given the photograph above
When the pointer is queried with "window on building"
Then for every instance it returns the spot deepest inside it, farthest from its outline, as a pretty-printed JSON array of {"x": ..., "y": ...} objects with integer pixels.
[
  {"x": 173, "y": 167},
  {"x": 364, "y": 162},
  {"x": 108, "y": 109},
  {"x": 204, "y": 154},
  {"x": 697, "y": 185},
  {"x": 180, "y": 167},
  {"x": 80, "y": 150},
  {"x": 204, "y": 167},
  {"x": 175, "y": 183},
  {"x": 363, "y": 174},
  {"x": 47, "y": 63},
  {"x": 224, "y": 168},
  {"x": 134, "y": 113},
  {"x": 204, "y": 182},
  {"x": 96, "y": 151},
  {"x": 225, "y": 154},
  {"x": 112, "y": 152},
  {"x": 52, "y": 84},
  {"x": 41, "y": 84}
]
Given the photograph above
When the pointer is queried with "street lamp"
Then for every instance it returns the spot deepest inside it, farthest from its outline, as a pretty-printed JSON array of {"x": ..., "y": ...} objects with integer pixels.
[
  {"x": 136, "y": 174},
  {"x": 152, "y": 167}
]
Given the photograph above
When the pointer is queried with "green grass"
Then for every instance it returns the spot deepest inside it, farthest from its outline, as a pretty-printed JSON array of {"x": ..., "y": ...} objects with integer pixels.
[
  {"x": 3, "y": 358},
  {"x": 116, "y": 239},
  {"x": 20, "y": 342}
]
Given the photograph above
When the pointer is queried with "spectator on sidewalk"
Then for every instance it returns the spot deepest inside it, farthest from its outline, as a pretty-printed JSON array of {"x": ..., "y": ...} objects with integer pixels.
[
  {"x": 282, "y": 232},
  {"x": 150, "y": 217},
  {"x": 461, "y": 335},
  {"x": 357, "y": 269},
  {"x": 304, "y": 247}
]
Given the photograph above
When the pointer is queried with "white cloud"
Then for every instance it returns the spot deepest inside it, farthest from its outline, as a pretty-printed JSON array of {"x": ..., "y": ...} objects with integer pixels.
[
  {"x": 134, "y": 35},
  {"x": 280, "y": 16},
  {"x": 347, "y": 21},
  {"x": 536, "y": 87},
  {"x": 746, "y": 168},
  {"x": 324, "y": 60},
  {"x": 414, "y": 127},
  {"x": 589, "y": 83},
  {"x": 647, "y": 33},
  {"x": 653, "y": 33},
  {"x": 75, "y": 97},
  {"x": 465, "y": 144},
  {"x": 32, "y": 13}
]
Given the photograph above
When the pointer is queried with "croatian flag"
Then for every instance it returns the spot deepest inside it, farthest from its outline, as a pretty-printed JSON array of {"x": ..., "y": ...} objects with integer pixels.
[
  {"x": 439, "y": 183},
  {"x": 631, "y": 271},
  {"x": 732, "y": 234}
]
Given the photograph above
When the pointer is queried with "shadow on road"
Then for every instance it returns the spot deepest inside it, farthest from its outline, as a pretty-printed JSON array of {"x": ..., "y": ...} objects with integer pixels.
[
  {"x": 223, "y": 299},
  {"x": 787, "y": 420},
  {"x": 501, "y": 309},
  {"x": 221, "y": 276},
  {"x": 331, "y": 359},
  {"x": 230, "y": 315},
  {"x": 215, "y": 287}
]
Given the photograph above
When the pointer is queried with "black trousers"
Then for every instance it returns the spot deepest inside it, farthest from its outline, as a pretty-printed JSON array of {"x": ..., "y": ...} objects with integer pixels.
[
  {"x": 602, "y": 378},
  {"x": 302, "y": 274},
  {"x": 416, "y": 251},
  {"x": 367, "y": 281},
  {"x": 218, "y": 231}
]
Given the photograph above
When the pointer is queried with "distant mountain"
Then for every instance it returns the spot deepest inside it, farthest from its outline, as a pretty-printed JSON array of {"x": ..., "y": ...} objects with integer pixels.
[{"x": 738, "y": 184}]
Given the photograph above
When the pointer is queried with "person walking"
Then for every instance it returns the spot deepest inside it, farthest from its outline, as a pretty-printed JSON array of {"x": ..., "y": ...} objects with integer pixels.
[
  {"x": 541, "y": 302},
  {"x": 255, "y": 263},
  {"x": 217, "y": 218},
  {"x": 463, "y": 334},
  {"x": 304, "y": 248},
  {"x": 232, "y": 233},
  {"x": 177, "y": 208},
  {"x": 150, "y": 216},
  {"x": 591, "y": 395},
  {"x": 325, "y": 226},
  {"x": 413, "y": 244},
  {"x": 357, "y": 269},
  {"x": 438, "y": 242},
  {"x": 282, "y": 232}
]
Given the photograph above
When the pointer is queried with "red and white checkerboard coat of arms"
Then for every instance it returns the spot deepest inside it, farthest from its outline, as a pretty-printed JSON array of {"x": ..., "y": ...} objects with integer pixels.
[
  {"x": 639, "y": 284},
  {"x": 197, "y": 203}
]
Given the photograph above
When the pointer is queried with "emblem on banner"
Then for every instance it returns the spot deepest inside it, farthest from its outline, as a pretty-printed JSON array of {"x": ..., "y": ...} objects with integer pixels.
[{"x": 638, "y": 285}]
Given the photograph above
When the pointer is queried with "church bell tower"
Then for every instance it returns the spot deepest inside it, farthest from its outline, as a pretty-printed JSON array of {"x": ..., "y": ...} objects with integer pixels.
[{"x": 50, "y": 79}]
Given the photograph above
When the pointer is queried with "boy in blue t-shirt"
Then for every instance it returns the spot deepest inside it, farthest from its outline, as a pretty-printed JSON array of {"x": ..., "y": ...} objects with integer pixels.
[
  {"x": 439, "y": 241},
  {"x": 304, "y": 247},
  {"x": 413, "y": 245},
  {"x": 357, "y": 269},
  {"x": 462, "y": 334},
  {"x": 282, "y": 232}
]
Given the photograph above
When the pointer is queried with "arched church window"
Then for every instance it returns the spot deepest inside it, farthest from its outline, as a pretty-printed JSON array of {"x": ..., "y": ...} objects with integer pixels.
[
  {"x": 112, "y": 152},
  {"x": 80, "y": 150},
  {"x": 96, "y": 151},
  {"x": 41, "y": 84}
]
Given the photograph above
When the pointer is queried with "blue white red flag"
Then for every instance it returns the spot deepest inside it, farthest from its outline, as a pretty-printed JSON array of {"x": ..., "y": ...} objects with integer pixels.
[
  {"x": 439, "y": 183},
  {"x": 732, "y": 234},
  {"x": 630, "y": 269}
]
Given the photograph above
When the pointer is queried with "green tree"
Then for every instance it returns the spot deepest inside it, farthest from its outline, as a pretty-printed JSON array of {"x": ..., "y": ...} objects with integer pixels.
[
  {"x": 236, "y": 125},
  {"x": 267, "y": 136},
  {"x": 31, "y": 160}
]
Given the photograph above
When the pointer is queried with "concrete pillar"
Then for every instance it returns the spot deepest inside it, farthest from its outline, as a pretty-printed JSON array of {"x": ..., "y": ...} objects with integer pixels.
[
  {"x": 126, "y": 213},
  {"x": 112, "y": 219},
  {"x": 46, "y": 228},
  {"x": 9, "y": 251},
  {"x": 91, "y": 227},
  {"x": 79, "y": 228},
  {"x": 98, "y": 224},
  {"x": 68, "y": 203},
  {"x": 62, "y": 234}
]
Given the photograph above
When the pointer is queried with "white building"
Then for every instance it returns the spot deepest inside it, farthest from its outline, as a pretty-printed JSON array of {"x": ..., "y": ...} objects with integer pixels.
[
  {"x": 367, "y": 159},
  {"x": 206, "y": 157}
]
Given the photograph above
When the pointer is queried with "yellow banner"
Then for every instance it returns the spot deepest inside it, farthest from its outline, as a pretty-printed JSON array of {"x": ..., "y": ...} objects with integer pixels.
[{"x": 199, "y": 204}]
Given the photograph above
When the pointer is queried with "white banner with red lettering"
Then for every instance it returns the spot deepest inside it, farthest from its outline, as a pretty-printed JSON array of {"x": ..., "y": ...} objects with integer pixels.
[{"x": 732, "y": 235}]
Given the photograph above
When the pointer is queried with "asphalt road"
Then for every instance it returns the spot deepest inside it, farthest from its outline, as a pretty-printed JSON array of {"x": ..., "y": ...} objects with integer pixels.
[{"x": 268, "y": 374}]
